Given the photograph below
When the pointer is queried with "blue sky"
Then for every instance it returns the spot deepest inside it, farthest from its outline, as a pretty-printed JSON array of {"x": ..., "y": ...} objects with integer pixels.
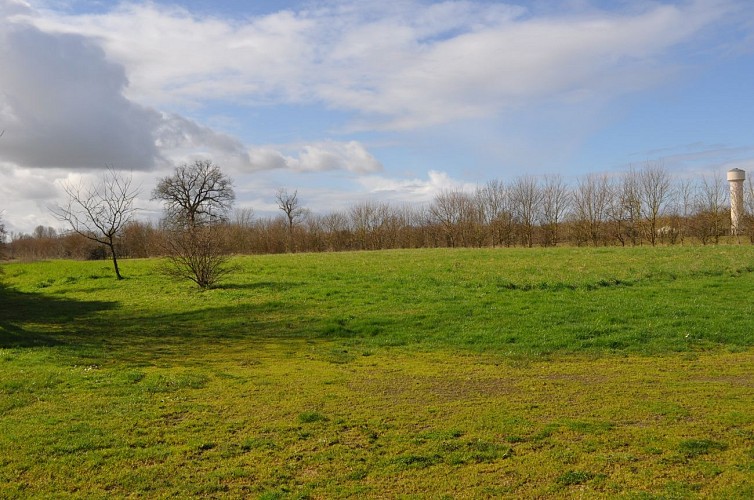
[{"x": 350, "y": 100}]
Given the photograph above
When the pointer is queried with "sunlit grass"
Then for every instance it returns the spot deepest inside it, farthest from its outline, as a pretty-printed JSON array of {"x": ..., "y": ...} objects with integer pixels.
[{"x": 468, "y": 373}]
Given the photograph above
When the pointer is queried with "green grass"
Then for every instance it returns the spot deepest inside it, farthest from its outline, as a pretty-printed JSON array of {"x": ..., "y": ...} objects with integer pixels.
[{"x": 469, "y": 373}]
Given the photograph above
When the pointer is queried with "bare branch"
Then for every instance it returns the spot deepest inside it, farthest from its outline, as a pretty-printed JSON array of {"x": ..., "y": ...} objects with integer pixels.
[
  {"x": 197, "y": 197},
  {"x": 100, "y": 212},
  {"x": 196, "y": 194}
]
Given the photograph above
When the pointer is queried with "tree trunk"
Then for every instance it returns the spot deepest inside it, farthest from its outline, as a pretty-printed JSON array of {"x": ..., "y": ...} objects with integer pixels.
[{"x": 115, "y": 260}]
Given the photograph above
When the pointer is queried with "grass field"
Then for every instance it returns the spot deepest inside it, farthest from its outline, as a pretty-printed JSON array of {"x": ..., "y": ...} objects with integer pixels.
[{"x": 424, "y": 373}]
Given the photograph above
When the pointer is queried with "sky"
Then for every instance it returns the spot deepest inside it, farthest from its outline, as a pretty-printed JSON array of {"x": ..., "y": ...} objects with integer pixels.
[{"x": 346, "y": 101}]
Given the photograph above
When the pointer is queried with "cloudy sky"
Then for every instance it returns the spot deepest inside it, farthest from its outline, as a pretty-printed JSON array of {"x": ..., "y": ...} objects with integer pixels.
[{"x": 348, "y": 100}]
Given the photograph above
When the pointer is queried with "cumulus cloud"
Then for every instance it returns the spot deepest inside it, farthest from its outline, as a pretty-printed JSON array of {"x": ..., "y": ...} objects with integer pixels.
[
  {"x": 350, "y": 156},
  {"x": 413, "y": 189},
  {"x": 25, "y": 195},
  {"x": 26, "y": 184},
  {"x": 61, "y": 104},
  {"x": 181, "y": 140},
  {"x": 65, "y": 102}
]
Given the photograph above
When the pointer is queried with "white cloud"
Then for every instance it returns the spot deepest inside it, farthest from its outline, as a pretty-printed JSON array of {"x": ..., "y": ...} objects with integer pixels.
[
  {"x": 350, "y": 156},
  {"x": 181, "y": 140},
  {"x": 399, "y": 65},
  {"x": 63, "y": 101},
  {"x": 14, "y": 7},
  {"x": 27, "y": 184},
  {"x": 323, "y": 156},
  {"x": 175, "y": 57},
  {"x": 516, "y": 62},
  {"x": 417, "y": 190},
  {"x": 61, "y": 104},
  {"x": 26, "y": 195}
]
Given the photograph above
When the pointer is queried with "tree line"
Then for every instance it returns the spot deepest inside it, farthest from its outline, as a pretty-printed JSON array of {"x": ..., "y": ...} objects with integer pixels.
[{"x": 643, "y": 206}]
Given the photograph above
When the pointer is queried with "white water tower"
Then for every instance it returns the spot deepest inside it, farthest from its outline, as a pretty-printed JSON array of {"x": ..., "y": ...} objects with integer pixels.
[{"x": 736, "y": 178}]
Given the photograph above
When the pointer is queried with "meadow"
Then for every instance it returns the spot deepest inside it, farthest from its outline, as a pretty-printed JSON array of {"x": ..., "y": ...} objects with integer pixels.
[{"x": 469, "y": 373}]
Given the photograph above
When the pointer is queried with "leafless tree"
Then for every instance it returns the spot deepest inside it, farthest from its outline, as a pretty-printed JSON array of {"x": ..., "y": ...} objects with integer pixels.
[
  {"x": 625, "y": 208},
  {"x": 291, "y": 207},
  {"x": 100, "y": 212},
  {"x": 336, "y": 230},
  {"x": 591, "y": 202},
  {"x": 556, "y": 200},
  {"x": 364, "y": 221},
  {"x": 498, "y": 213},
  {"x": 711, "y": 214},
  {"x": 2, "y": 236},
  {"x": 198, "y": 254},
  {"x": 243, "y": 217},
  {"x": 526, "y": 196},
  {"x": 385, "y": 224},
  {"x": 196, "y": 194},
  {"x": 198, "y": 199},
  {"x": 748, "y": 218},
  {"x": 684, "y": 198},
  {"x": 492, "y": 204},
  {"x": 454, "y": 210},
  {"x": 655, "y": 194},
  {"x": 140, "y": 239}
]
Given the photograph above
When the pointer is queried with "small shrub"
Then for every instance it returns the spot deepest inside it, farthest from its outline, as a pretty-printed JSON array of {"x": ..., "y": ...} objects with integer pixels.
[
  {"x": 571, "y": 478},
  {"x": 694, "y": 447},
  {"x": 309, "y": 417}
]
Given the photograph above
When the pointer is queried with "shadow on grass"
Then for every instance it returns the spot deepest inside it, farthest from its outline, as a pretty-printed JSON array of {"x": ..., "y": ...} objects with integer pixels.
[
  {"x": 148, "y": 336},
  {"x": 30, "y": 320},
  {"x": 105, "y": 328}
]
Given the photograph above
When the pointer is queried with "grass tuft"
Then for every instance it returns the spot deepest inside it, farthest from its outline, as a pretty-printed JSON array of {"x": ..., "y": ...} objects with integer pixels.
[
  {"x": 310, "y": 417},
  {"x": 572, "y": 478},
  {"x": 692, "y": 448}
]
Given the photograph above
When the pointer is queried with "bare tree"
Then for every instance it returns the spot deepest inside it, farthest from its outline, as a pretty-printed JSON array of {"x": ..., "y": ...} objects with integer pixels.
[
  {"x": 376, "y": 225},
  {"x": 453, "y": 210},
  {"x": 683, "y": 206},
  {"x": 525, "y": 199},
  {"x": 624, "y": 210},
  {"x": 243, "y": 217},
  {"x": 497, "y": 212},
  {"x": 556, "y": 199},
  {"x": 711, "y": 213},
  {"x": 196, "y": 194},
  {"x": 198, "y": 199},
  {"x": 492, "y": 203},
  {"x": 655, "y": 194},
  {"x": 336, "y": 230},
  {"x": 749, "y": 208},
  {"x": 100, "y": 212},
  {"x": 2, "y": 236},
  {"x": 591, "y": 202},
  {"x": 291, "y": 207},
  {"x": 240, "y": 230},
  {"x": 197, "y": 254}
]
